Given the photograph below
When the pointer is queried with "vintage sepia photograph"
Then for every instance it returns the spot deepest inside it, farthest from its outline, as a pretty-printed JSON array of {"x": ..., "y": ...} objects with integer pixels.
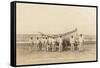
[{"x": 55, "y": 33}]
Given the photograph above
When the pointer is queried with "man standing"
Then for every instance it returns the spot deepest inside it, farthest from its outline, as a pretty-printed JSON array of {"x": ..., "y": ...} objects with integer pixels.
[
  {"x": 37, "y": 43},
  {"x": 81, "y": 40},
  {"x": 49, "y": 43},
  {"x": 45, "y": 43},
  {"x": 53, "y": 44},
  {"x": 40, "y": 45},
  {"x": 60, "y": 44},
  {"x": 72, "y": 41},
  {"x": 31, "y": 42}
]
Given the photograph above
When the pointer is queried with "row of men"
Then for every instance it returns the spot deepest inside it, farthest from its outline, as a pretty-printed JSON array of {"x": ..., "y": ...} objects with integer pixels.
[
  {"x": 48, "y": 43},
  {"x": 53, "y": 43}
]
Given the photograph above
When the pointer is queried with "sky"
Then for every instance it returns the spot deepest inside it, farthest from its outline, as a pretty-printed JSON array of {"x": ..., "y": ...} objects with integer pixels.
[{"x": 54, "y": 19}]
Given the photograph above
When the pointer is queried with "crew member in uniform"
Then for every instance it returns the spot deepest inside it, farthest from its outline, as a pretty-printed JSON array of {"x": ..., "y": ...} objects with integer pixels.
[
  {"x": 37, "y": 43},
  {"x": 81, "y": 40},
  {"x": 31, "y": 42},
  {"x": 72, "y": 41},
  {"x": 60, "y": 44},
  {"x": 53, "y": 44}
]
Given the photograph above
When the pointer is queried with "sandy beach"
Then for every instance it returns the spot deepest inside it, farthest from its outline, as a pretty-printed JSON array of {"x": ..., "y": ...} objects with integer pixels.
[{"x": 25, "y": 56}]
